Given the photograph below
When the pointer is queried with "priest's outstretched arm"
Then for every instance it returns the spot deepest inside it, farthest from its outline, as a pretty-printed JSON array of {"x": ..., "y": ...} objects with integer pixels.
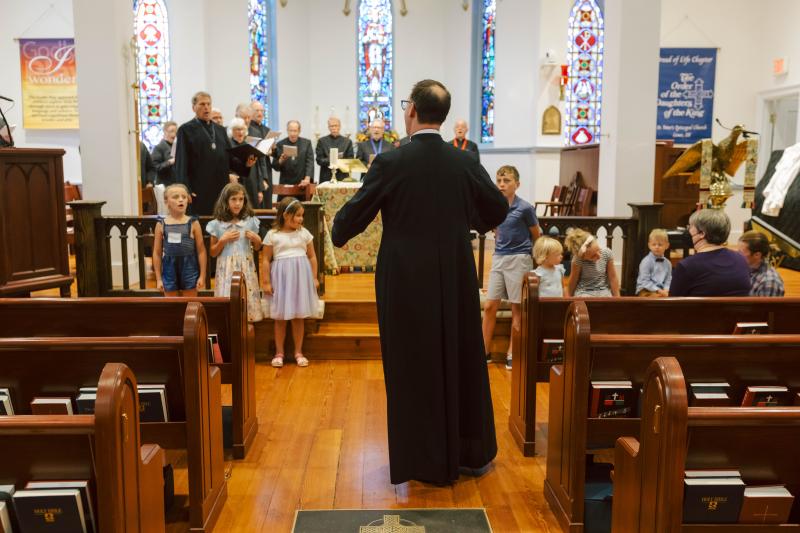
[
  {"x": 491, "y": 207},
  {"x": 362, "y": 208}
]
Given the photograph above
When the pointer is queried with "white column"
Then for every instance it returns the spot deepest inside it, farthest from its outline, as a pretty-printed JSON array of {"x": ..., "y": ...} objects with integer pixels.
[
  {"x": 630, "y": 86},
  {"x": 105, "y": 65},
  {"x": 227, "y": 55}
]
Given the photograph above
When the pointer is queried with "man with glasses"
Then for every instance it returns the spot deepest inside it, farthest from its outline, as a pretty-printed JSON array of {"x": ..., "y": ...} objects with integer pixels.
[
  {"x": 439, "y": 406},
  {"x": 376, "y": 144}
]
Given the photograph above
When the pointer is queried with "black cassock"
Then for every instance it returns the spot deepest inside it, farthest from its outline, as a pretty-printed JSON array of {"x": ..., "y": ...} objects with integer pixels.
[
  {"x": 324, "y": 145},
  {"x": 201, "y": 162},
  {"x": 263, "y": 165},
  {"x": 439, "y": 406},
  {"x": 467, "y": 146}
]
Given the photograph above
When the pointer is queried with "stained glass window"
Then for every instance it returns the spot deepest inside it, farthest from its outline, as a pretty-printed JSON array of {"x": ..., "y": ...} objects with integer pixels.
[
  {"x": 261, "y": 83},
  {"x": 584, "y": 94},
  {"x": 487, "y": 74},
  {"x": 375, "y": 62},
  {"x": 152, "y": 68}
]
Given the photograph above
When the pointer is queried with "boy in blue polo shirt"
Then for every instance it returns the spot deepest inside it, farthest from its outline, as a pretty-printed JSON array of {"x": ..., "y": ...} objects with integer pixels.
[{"x": 512, "y": 256}]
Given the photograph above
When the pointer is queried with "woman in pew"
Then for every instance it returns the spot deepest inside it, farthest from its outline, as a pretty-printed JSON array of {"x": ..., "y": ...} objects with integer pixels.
[
  {"x": 179, "y": 255},
  {"x": 714, "y": 270},
  {"x": 593, "y": 272},
  {"x": 234, "y": 234}
]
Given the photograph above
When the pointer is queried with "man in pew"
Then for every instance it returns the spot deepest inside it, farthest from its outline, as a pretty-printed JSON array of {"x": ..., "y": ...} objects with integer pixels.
[{"x": 764, "y": 280}]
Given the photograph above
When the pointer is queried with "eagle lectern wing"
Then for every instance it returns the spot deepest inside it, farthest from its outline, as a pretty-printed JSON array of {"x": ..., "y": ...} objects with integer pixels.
[
  {"x": 687, "y": 161},
  {"x": 737, "y": 158}
]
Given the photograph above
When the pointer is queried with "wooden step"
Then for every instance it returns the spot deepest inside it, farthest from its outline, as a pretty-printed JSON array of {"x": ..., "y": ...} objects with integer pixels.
[
  {"x": 351, "y": 311},
  {"x": 344, "y": 340}
]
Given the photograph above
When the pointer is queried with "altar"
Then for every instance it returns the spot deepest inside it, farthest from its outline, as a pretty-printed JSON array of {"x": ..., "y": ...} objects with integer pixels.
[{"x": 360, "y": 254}]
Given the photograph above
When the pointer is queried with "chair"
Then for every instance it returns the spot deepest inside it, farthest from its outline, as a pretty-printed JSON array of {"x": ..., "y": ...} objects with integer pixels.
[
  {"x": 556, "y": 203},
  {"x": 295, "y": 190},
  {"x": 149, "y": 204}
]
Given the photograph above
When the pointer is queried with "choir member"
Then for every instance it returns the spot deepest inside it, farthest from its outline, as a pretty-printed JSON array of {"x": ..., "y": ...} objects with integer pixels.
[
  {"x": 258, "y": 129},
  {"x": 376, "y": 144},
  {"x": 461, "y": 142},
  {"x": 294, "y": 169},
  {"x": 162, "y": 155},
  {"x": 333, "y": 140}
]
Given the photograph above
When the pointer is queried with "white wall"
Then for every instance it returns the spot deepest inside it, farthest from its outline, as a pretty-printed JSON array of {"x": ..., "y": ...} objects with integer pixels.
[
  {"x": 187, "y": 52},
  {"x": 15, "y": 18}
]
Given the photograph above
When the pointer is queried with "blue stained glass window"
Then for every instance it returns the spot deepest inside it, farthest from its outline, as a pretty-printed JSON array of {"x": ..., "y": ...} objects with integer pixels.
[
  {"x": 487, "y": 74},
  {"x": 152, "y": 68},
  {"x": 261, "y": 83},
  {"x": 584, "y": 94},
  {"x": 375, "y": 62}
]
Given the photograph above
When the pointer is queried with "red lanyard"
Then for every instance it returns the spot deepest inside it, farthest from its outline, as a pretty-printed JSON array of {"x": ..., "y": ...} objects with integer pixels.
[{"x": 463, "y": 144}]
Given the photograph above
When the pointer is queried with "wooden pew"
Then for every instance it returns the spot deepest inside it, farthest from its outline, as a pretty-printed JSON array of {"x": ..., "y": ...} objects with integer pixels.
[
  {"x": 179, "y": 362},
  {"x": 543, "y": 318},
  {"x": 98, "y": 317},
  {"x": 127, "y": 477},
  {"x": 589, "y": 356},
  {"x": 761, "y": 443}
]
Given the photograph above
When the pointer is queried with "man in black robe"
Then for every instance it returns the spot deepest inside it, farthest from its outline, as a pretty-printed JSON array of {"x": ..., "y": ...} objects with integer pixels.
[
  {"x": 201, "y": 158},
  {"x": 264, "y": 165},
  {"x": 439, "y": 406},
  {"x": 148, "y": 170},
  {"x": 324, "y": 145},
  {"x": 461, "y": 142},
  {"x": 295, "y": 169},
  {"x": 376, "y": 144},
  {"x": 162, "y": 155}
]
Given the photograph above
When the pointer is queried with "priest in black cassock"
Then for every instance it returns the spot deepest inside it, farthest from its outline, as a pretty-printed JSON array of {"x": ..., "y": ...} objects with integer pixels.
[
  {"x": 461, "y": 142},
  {"x": 324, "y": 145},
  {"x": 162, "y": 155},
  {"x": 201, "y": 158},
  {"x": 439, "y": 406},
  {"x": 376, "y": 144},
  {"x": 295, "y": 169},
  {"x": 264, "y": 165}
]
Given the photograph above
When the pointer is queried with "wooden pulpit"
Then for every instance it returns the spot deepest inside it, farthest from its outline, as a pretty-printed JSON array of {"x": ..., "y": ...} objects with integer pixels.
[{"x": 33, "y": 234}]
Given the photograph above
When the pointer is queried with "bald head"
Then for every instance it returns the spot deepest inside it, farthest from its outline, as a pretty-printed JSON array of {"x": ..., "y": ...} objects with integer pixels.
[
  {"x": 258, "y": 111},
  {"x": 460, "y": 129}
]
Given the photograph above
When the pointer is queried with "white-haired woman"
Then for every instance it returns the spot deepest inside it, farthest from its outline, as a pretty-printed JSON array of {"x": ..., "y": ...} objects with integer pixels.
[{"x": 237, "y": 130}]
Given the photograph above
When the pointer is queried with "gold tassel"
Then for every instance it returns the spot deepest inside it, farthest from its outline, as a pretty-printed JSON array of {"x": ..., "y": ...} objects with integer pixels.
[
  {"x": 749, "y": 194},
  {"x": 706, "y": 161}
]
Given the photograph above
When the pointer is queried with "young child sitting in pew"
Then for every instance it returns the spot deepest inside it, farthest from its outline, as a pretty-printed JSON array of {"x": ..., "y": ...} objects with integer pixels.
[
  {"x": 548, "y": 253},
  {"x": 593, "y": 272},
  {"x": 655, "y": 270}
]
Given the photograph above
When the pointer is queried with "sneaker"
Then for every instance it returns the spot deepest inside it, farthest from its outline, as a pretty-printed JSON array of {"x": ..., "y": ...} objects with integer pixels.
[{"x": 508, "y": 362}]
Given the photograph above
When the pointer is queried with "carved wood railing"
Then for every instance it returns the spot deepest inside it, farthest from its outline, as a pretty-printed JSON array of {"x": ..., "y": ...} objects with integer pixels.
[
  {"x": 97, "y": 235},
  {"x": 632, "y": 235}
]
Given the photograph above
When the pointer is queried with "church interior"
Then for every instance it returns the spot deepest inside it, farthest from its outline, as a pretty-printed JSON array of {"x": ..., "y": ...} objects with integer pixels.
[{"x": 126, "y": 406}]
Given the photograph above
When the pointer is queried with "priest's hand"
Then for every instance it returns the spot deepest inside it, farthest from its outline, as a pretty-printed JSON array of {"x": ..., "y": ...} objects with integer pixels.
[{"x": 250, "y": 161}]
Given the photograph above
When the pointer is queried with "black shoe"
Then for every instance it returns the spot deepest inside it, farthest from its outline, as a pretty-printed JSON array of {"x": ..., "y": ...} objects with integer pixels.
[{"x": 474, "y": 472}]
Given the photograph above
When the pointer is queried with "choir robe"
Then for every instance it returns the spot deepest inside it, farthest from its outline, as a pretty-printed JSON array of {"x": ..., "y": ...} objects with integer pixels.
[
  {"x": 203, "y": 169},
  {"x": 148, "y": 169},
  {"x": 164, "y": 171},
  {"x": 365, "y": 149},
  {"x": 294, "y": 169},
  {"x": 264, "y": 165},
  {"x": 439, "y": 406},
  {"x": 252, "y": 177},
  {"x": 467, "y": 146},
  {"x": 324, "y": 146}
]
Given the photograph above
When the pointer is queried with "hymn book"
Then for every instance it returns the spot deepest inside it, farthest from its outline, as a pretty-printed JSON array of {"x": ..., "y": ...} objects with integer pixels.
[
  {"x": 5, "y": 518},
  {"x": 751, "y": 328},
  {"x": 6, "y": 497},
  {"x": 81, "y": 485},
  {"x": 153, "y": 403},
  {"x": 254, "y": 146},
  {"x": 766, "y": 505},
  {"x": 6, "y": 407},
  {"x": 289, "y": 150},
  {"x": 765, "y": 396},
  {"x": 712, "y": 500},
  {"x": 50, "y": 510},
  {"x": 709, "y": 394},
  {"x": 214, "y": 352},
  {"x": 85, "y": 400},
  {"x": 52, "y": 406},
  {"x": 553, "y": 350},
  {"x": 611, "y": 399}
]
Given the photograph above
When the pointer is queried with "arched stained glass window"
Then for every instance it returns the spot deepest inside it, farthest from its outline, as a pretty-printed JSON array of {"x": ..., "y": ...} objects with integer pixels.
[
  {"x": 260, "y": 16},
  {"x": 487, "y": 21},
  {"x": 584, "y": 93},
  {"x": 152, "y": 68},
  {"x": 375, "y": 62}
]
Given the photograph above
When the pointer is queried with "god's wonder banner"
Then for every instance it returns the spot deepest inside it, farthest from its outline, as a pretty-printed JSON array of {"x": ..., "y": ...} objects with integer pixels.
[{"x": 49, "y": 84}]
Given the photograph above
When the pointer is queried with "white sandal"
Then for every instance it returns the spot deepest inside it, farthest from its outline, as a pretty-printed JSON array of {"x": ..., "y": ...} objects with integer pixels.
[
  {"x": 277, "y": 361},
  {"x": 301, "y": 359}
]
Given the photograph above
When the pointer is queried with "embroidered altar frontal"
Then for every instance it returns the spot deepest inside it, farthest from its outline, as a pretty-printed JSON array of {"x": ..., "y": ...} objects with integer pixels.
[{"x": 393, "y": 520}]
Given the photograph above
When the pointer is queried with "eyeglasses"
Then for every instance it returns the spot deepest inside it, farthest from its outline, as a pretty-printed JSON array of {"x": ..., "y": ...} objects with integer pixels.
[{"x": 404, "y": 104}]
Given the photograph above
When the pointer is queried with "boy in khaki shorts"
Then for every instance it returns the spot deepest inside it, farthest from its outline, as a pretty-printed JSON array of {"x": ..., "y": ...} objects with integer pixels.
[{"x": 512, "y": 256}]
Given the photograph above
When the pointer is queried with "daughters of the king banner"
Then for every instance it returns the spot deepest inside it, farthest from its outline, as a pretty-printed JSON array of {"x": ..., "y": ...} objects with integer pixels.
[{"x": 49, "y": 84}]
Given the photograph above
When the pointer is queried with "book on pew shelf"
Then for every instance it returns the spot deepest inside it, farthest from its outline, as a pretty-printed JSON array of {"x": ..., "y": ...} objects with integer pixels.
[
  {"x": 153, "y": 403},
  {"x": 711, "y": 473},
  {"x": 6, "y": 407},
  {"x": 5, "y": 518},
  {"x": 553, "y": 350},
  {"x": 214, "y": 351},
  {"x": 712, "y": 500},
  {"x": 61, "y": 405},
  {"x": 7, "y": 497},
  {"x": 709, "y": 394},
  {"x": 85, "y": 403},
  {"x": 611, "y": 399},
  {"x": 50, "y": 510},
  {"x": 765, "y": 396},
  {"x": 81, "y": 485},
  {"x": 766, "y": 505},
  {"x": 797, "y": 398},
  {"x": 751, "y": 328}
]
